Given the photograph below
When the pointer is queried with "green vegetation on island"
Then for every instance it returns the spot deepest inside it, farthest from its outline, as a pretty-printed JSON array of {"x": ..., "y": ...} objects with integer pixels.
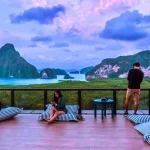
[
  {"x": 47, "y": 74},
  {"x": 58, "y": 71},
  {"x": 117, "y": 67},
  {"x": 67, "y": 76},
  {"x": 85, "y": 70},
  {"x": 13, "y": 65}
]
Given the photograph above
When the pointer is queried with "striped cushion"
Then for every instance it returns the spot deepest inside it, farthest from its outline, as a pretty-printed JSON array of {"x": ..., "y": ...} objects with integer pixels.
[
  {"x": 70, "y": 116},
  {"x": 147, "y": 137},
  {"x": 137, "y": 119},
  {"x": 9, "y": 113},
  {"x": 67, "y": 117},
  {"x": 143, "y": 128},
  {"x": 72, "y": 109}
]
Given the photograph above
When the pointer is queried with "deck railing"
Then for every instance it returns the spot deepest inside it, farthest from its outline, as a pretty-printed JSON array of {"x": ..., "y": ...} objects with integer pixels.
[{"x": 79, "y": 90}]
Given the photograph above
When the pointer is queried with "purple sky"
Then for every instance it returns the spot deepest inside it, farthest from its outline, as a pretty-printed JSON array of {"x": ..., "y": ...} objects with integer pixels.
[{"x": 71, "y": 34}]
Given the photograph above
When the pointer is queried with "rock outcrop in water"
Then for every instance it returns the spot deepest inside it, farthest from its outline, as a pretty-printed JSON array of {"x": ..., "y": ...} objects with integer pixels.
[
  {"x": 47, "y": 74},
  {"x": 67, "y": 76}
]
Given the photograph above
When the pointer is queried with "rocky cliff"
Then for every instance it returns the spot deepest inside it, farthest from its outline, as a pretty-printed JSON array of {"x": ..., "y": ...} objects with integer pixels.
[{"x": 13, "y": 65}]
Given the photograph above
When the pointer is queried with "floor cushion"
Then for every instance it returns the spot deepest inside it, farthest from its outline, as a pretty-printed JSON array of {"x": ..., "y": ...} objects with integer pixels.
[
  {"x": 70, "y": 116},
  {"x": 144, "y": 128},
  {"x": 9, "y": 112},
  {"x": 137, "y": 119},
  {"x": 147, "y": 137}
]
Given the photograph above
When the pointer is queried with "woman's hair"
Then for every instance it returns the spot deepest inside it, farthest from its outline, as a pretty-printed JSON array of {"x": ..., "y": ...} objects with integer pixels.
[{"x": 59, "y": 93}]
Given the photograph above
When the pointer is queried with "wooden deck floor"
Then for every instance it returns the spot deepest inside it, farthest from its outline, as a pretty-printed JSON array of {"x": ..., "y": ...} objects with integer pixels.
[{"x": 24, "y": 132}]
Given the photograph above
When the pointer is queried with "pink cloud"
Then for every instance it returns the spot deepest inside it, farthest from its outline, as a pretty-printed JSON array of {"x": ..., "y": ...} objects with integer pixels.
[
  {"x": 85, "y": 16},
  {"x": 108, "y": 5}
]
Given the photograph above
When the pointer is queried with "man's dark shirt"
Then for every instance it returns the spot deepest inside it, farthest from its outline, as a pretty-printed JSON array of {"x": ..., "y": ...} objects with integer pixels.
[{"x": 135, "y": 77}]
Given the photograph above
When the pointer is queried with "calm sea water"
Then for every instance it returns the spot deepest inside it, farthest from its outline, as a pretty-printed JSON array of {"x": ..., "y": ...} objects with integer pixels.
[{"x": 14, "y": 81}]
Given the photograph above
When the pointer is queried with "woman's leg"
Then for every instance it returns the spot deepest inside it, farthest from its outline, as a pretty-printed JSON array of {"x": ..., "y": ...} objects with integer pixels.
[
  {"x": 52, "y": 112},
  {"x": 57, "y": 113}
]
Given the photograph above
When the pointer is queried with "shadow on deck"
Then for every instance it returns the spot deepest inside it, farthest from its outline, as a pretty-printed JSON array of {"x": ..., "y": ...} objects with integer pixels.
[{"x": 24, "y": 132}]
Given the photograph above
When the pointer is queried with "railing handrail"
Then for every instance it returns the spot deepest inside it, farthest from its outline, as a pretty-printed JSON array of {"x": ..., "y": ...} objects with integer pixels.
[
  {"x": 68, "y": 89},
  {"x": 45, "y": 90}
]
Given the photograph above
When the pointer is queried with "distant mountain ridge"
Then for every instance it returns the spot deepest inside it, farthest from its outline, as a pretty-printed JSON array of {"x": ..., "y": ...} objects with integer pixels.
[
  {"x": 73, "y": 71},
  {"x": 59, "y": 71},
  {"x": 13, "y": 65},
  {"x": 119, "y": 67},
  {"x": 85, "y": 70}
]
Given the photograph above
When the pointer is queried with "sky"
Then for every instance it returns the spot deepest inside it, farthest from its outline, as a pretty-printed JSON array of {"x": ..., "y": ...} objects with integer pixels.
[{"x": 73, "y": 34}]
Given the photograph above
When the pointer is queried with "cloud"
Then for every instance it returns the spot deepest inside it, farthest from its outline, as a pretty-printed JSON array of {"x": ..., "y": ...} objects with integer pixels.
[
  {"x": 91, "y": 56},
  {"x": 67, "y": 50},
  {"x": 45, "y": 59},
  {"x": 43, "y": 39},
  {"x": 99, "y": 48},
  {"x": 127, "y": 27},
  {"x": 8, "y": 37},
  {"x": 60, "y": 44},
  {"x": 39, "y": 14},
  {"x": 110, "y": 46},
  {"x": 143, "y": 44},
  {"x": 73, "y": 32},
  {"x": 76, "y": 55},
  {"x": 69, "y": 59},
  {"x": 33, "y": 45}
]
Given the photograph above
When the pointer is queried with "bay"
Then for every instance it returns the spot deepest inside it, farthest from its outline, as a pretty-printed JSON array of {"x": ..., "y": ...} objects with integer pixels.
[{"x": 21, "y": 81}]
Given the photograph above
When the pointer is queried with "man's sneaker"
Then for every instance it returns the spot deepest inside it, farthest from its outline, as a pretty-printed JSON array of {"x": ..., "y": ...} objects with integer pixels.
[
  {"x": 134, "y": 113},
  {"x": 125, "y": 113}
]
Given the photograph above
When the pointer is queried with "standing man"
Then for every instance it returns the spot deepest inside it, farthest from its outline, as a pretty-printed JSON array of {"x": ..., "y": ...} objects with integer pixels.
[{"x": 135, "y": 77}]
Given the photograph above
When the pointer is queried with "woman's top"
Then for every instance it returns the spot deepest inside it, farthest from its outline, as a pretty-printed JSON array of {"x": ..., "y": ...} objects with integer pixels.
[{"x": 61, "y": 104}]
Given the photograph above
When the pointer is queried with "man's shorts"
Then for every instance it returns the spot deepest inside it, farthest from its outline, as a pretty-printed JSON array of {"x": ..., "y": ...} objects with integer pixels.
[{"x": 135, "y": 92}]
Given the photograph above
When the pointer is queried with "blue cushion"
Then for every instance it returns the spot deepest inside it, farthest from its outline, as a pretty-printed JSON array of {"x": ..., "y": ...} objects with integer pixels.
[
  {"x": 143, "y": 127},
  {"x": 71, "y": 108},
  {"x": 70, "y": 116},
  {"x": 147, "y": 137},
  {"x": 137, "y": 119},
  {"x": 9, "y": 113}
]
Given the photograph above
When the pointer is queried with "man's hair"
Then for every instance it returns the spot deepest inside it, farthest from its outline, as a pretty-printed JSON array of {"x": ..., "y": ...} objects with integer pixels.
[{"x": 137, "y": 64}]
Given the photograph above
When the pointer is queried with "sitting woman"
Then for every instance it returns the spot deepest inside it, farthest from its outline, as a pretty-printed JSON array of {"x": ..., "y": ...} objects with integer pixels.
[{"x": 59, "y": 107}]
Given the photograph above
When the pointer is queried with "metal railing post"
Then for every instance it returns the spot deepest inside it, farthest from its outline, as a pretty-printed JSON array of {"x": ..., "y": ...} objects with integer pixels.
[
  {"x": 149, "y": 102},
  {"x": 45, "y": 98},
  {"x": 114, "y": 98},
  {"x": 12, "y": 98},
  {"x": 79, "y": 102}
]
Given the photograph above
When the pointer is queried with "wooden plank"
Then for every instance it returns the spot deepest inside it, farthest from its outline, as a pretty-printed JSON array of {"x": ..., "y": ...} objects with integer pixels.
[{"x": 25, "y": 132}]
